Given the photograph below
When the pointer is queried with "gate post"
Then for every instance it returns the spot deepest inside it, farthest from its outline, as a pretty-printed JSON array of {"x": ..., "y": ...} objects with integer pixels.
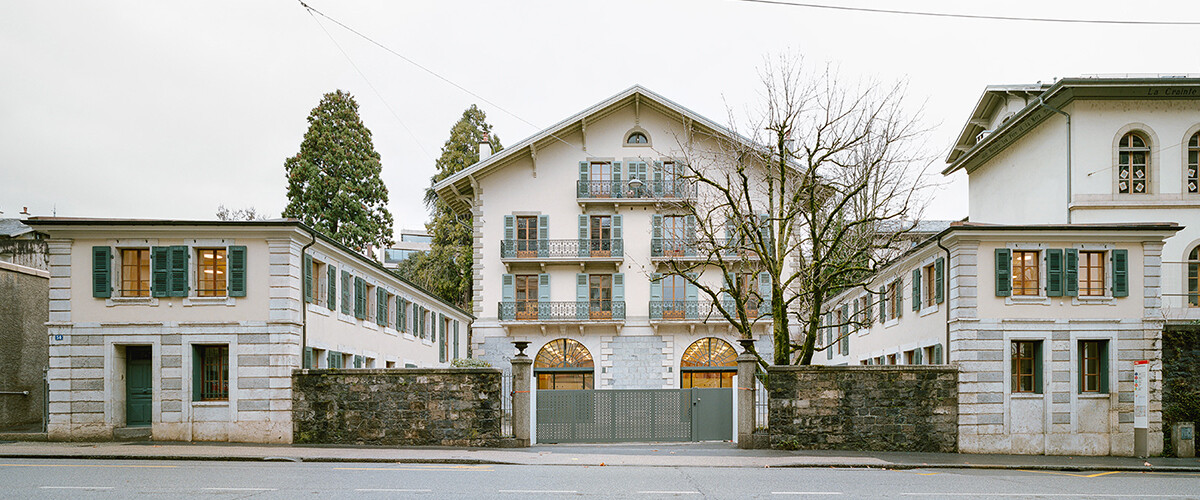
[
  {"x": 522, "y": 369},
  {"x": 747, "y": 365}
]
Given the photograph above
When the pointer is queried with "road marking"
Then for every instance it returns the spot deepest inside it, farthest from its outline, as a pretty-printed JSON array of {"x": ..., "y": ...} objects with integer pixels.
[
  {"x": 928, "y": 473},
  {"x": 239, "y": 489},
  {"x": 1030, "y": 495},
  {"x": 76, "y": 487},
  {"x": 393, "y": 490},
  {"x": 670, "y": 492},
  {"x": 423, "y": 469},
  {"x": 1070, "y": 474},
  {"x": 806, "y": 493},
  {"x": 537, "y": 491},
  {"x": 94, "y": 465}
]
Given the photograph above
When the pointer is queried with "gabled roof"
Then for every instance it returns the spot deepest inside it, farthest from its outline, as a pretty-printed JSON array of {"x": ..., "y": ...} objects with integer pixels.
[
  {"x": 971, "y": 151},
  {"x": 457, "y": 188}
]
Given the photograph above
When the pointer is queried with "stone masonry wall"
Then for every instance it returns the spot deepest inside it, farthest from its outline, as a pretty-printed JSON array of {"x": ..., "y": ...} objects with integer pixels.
[
  {"x": 865, "y": 408},
  {"x": 23, "y": 312},
  {"x": 1181, "y": 377},
  {"x": 397, "y": 406}
]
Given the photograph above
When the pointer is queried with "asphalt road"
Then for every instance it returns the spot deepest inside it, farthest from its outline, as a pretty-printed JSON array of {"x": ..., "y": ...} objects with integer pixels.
[{"x": 84, "y": 479}]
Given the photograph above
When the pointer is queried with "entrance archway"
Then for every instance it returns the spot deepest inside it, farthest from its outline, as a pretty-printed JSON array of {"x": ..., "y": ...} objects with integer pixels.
[
  {"x": 564, "y": 364},
  {"x": 708, "y": 363}
]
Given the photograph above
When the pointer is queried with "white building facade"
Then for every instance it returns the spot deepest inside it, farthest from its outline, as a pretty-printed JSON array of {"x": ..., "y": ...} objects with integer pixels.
[{"x": 190, "y": 330}]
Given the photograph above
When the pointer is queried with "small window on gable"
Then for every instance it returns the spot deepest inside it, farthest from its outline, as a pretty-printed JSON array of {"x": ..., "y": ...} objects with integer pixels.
[
  {"x": 1133, "y": 158},
  {"x": 637, "y": 138}
]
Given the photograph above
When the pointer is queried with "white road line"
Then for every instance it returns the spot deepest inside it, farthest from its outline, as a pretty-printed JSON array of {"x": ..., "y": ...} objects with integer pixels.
[
  {"x": 76, "y": 487},
  {"x": 239, "y": 489},
  {"x": 670, "y": 492},
  {"x": 806, "y": 493},
  {"x": 1026, "y": 495},
  {"x": 390, "y": 490},
  {"x": 537, "y": 491}
]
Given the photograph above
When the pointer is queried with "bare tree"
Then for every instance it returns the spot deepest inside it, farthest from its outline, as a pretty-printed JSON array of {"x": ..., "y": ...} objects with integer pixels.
[
  {"x": 239, "y": 214},
  {"x": 828, "y": 175}
]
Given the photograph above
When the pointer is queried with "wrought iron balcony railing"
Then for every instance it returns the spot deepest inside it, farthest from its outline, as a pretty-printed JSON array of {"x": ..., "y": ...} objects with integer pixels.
[
  {"x": 549, "y": 249},
  {"x": 690, "y": 247},
  {"x": 645, "y": 190},
  {"x": 592, "y": 310},
  {"x": 676, "y": 310}
]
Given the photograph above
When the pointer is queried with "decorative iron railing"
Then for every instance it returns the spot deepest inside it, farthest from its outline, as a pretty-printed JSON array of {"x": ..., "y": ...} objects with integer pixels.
[
  {"x": 592, "y": 310},
  {"x": 690, "y": 247},
  {"x": 545, "y": 249},
  {"x": 673, "y": 189},
  {"x": 667, "y": 310}
]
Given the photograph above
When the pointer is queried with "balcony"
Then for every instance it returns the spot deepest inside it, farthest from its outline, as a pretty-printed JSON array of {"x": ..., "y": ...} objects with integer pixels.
[
  {"x": 697, "y": 311},
  {"x": 641, "y": 192},
  {"x": 689, "y": 249},
  {"x": 562, "y": 312},
  {"x": 562, "y": 251}
]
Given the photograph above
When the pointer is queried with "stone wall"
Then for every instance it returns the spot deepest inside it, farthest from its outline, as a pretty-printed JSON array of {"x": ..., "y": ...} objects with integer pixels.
[
  {"x": 1181, "y": 377},
  {"x": 397, "y": 406},
  {"x": 865, "y": 408},
  {"x": 24, "y": 307}
]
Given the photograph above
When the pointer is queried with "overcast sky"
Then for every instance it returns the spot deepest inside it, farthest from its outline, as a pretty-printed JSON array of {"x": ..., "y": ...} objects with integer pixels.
[{"x": 163, "y": 109}]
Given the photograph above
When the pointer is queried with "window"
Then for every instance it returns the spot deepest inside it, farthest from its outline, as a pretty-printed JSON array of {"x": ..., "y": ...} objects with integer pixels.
[
  {"x": 1026, "y": 366},
  {"x": 1091, "y": 274},
  {"x": 214, "y": 372},
  {"x": 1193, "y": 164},
  {"x": 1132, "y": 157},
  {"x": 671, "y": 184},
  {"x": 394, "y": 255},
  {"x": 891, "y": 359},
  {"x": 928, "y": 353},
  {"x": 564, "y": 364},
  {"x": 930, "y": 286},
  {"x": 526, "y": 296},
  {"x": 1025, "y": 273},
  {"x": 674, "y": 235},
  {"x": 637, "y": 138},
  {"x": 910, "y": 357},
  {"x": 600, "y": 296},
  {"x": 1093, "y": 366},
  {"x": 893, "y": 302},
  {"x": 600, "y": 232},
  {"x": 135, "y": 272},
  {"x": 1193, "y": 277},
  {"x": 314, "y": 288},
  {"x": 674, "y": 296},
  {"x": 416, "y": 238},
  {"x": 708, "y": 362},
  {"x": 211, "y": 273},
  {"x": 527, "y": 236},
  {"x": 600, "y": 179},
  {"x": 748, "y": 284}
]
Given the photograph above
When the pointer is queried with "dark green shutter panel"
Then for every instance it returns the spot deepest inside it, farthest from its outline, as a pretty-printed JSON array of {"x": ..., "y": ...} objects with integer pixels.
[
  {"x": 346, "y": 292},
  {"x": 584, "y": 189},
  {"x": 764, "y": 293},
  {"x": 1071, "y": 272},
  {"x": 510, "y": 228},
  {"x": 360, "y": 298},
  {"x": 308, "y": 278},
  {"x": 916, "y": 289},
  {"x": 101, "y": 272},
  {"x": 308, "y": 357},
  {"x": 455, "y": 340},
  {"x": 331, "y": 295},
  {"x": 358, "y": 361},
  {"x": 616, "y": 180},
  {"x": 399, "y": 314},
  {"x": 162, "y": 271},
  {"x": 869, "y": 314},
  {"x": 441, "y": 330},
  {"x": 917, "y": 356},
  {"x": 883, "y": 305},
  {"x": 1037, "y": 367},
  {"x": 1079, "y": 365},
  {"x": 829, "y": 335},
  {"x": 196, "y": 372},
  {"x": 616, "y": 230},
  {"x": 1003, "y": 272},
  {"x": 179, "y": 271},
  {"x": 584, "y": 248},
  {"x": 656, "y": 301},
  {"x": 939, "y": 269},
  {"x": 899, "y": 298},
  {"x": 381, "y": 306},
  {"x": 237, "y": 271},
  {"x": 937, "y": 354},
  {"x": 543, "y": 236},
  {"x": 1120, "y": 265},
  {"x": 581, "y": 296},
  {"x": 1054, "y": 272},
  {"x": 1103, "y": 367}
]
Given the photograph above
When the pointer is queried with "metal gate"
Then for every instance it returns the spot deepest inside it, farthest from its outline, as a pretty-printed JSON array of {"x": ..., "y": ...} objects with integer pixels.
[{"x": 634, "y": 415}]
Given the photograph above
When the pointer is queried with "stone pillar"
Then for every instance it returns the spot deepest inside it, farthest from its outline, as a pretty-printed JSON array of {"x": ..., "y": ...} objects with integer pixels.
[
  {"x": 747, "y": 365},
  {"x": 522, "y": 370}
]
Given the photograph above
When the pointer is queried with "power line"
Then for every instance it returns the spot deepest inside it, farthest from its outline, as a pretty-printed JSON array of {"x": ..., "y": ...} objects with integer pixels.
[
  {"x": 973, "y": 16},
  {"x": 427, "y": 70}
]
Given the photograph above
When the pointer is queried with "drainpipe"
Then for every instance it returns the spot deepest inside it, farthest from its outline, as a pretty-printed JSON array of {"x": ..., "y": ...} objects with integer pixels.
[
  {"x": 946, "y": 284},
  {"x": 1042, "y": 102},
  {"x": 303, "y": 304}
]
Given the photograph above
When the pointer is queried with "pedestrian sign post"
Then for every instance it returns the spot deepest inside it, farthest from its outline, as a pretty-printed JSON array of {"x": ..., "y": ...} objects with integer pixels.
[{"x": 1141, "y": 407}]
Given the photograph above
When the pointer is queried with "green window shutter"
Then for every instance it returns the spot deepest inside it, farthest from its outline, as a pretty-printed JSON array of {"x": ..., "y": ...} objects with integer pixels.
[
  {"x": 331, "y": 294},
  {"x": 1054, "y": 272},
  {"x": 1120, "y": 266},
  {"x": 346, "y": 284},
  {"x": 1103, "y": 367},
  {"x": 161, "y": 259},
  {"x": 656, "y": 296},
  {"x": 883, "y": 305},
  {"x": 616, "y": 228},
  {"x": 381, "y": 306},
  {"x": 1003, "y": 272},
  {"x": 507, "y": 288},
  {"x": 869, "y": 316},
  {"x": 658, "y": 179},
  {"x": 360, "y": 299},
  {"x": 916, "y": 289},
  {"x": 618, "y": 287},
  {"x": 179, "y": 271},
  {"x": 616, "y": 180},
  {"x": 692, "y": 294},
  {"x": 764, "y": 292},
  {"x": 456, "y": 356},
  {"x": 939, "y": 269},
  {"x": 581, "y": 296},
  {"x": 583, "y": 236},
  {"x": 1037, "y": 367},
  {"x": 196, "y": 372},
  {"x": 1071, "y": 272},
  {"x": 510, "y": 224},
  {"x": 101, "y": 272},
  {"x": 917, "y": 356},
  {"x": 656, "y": 234},
  {"x": 308, "y": 358},
  {"x": 401, "y": 315},
  {"x": 584, "y": 189},
  {"x": 544, "y": 288},
  {"x": 899, "y": 298},
  {"x": 308, "y": 278},
  {"x": 829, "y": 335},
  {"x": 441, "y": 329},
  {"x": 543, "y": 227},
  {"x": 237, "y": 271},
  {"x": 937, "y": 354},
  {"x": 358, "y": 361},
  {"x": 845, "y": 331},
  {"x": 856, "y": 311},
  {"x": 1079, "y": 366}
]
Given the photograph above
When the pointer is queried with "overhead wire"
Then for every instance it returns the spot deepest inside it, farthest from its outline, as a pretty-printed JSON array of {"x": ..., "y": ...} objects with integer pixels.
[{"x": 973, "y": 16}]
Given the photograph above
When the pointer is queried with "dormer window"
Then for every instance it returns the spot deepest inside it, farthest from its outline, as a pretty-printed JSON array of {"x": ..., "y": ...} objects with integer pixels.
[
  {"x": 1133, "y": 157},
  {"x": 637, "y": 138}
]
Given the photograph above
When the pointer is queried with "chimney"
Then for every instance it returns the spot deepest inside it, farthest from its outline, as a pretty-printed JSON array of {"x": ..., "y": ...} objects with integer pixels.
[{"x": 485, "y": 148}]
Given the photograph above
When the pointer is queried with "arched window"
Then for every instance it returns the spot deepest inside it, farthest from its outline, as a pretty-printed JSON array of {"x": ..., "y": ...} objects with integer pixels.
[
  {"x": 1193, "y": 164},
  {"x": 708, "y": 362},
  {"x": 1193, "y": 277},
  {"x": 637, "y": 138},
  {"x": 564, "y": 364},
  {"x": 1133, "y": 158}
]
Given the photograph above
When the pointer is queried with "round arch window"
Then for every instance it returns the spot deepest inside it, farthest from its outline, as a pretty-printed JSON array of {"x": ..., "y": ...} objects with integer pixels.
[
  {"x": 708, "y": 363},
  {"x": 637, "y": 138},
  {"x": 1132, "y": 164},
  {"x": 564, "y": 364},
  {"x": 1193, "y": 277}
]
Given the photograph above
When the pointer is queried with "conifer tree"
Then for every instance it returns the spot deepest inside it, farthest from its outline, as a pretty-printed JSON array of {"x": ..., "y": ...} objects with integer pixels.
[{"x": 333, "y": 182}]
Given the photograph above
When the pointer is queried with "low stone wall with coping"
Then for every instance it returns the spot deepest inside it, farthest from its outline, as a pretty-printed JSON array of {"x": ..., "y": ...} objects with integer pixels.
[
  {"x": 864, "y": 408},
  {"x": 398, "y": 406}
]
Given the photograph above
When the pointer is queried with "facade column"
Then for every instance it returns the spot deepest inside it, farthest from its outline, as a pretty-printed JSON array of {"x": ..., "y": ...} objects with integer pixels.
[
  {"x": 522, "y": 370},
  {"x": 747, "y": 365}
]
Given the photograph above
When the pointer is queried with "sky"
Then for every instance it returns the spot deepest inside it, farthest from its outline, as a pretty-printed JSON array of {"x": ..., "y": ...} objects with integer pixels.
[{"x": 167, "y": 109}]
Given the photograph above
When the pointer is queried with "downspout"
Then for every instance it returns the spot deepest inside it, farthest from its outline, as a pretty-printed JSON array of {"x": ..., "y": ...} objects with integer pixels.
[
  {"x": 1042, "y": 102},
  {"x": 946, "y": 285},
  {"x": 303, "y": 304}
]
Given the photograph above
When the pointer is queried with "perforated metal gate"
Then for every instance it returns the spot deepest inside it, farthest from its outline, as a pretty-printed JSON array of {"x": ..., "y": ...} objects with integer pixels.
[{"x": 634, "y": 415}]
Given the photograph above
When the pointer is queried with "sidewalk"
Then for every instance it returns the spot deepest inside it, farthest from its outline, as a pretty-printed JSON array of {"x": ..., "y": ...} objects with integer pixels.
[{"x": 652, "y": 454}]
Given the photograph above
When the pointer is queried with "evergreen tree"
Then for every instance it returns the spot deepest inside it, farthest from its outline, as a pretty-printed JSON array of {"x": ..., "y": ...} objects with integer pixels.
[
  {"x": 445, "y": 269},
  {"x": 333, "y": 182}
]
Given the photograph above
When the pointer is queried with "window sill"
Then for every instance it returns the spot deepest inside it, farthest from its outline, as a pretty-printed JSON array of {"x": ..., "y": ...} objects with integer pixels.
[
  {"x": 1092, "y": 395},
  {"x": 131, "y": 301},
  {"x": 347, "y": 318},
  {"x": 316, "y": 309},
  {"x": 389, "y": 331},
  {"x": 1094, "y": 301},
  {"x": 211, "y": 404},
  {"x": 370, "y": 325},
  {"x": 209, "y": 301},
  {"x": 1026, "y": 395},
  {"x": 891, "y": 322},
  {"x": 928, "y": 310},
  {"x": 1037, "y": 300},
  {"x": 427, "y": 341},
  {"x": 408, "y": 336}
]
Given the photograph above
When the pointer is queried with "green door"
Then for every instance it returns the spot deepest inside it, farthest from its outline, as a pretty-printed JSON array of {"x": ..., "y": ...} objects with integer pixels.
[
  {"x": 139, "y": 390},
  {"x": 712, "y": 414}
]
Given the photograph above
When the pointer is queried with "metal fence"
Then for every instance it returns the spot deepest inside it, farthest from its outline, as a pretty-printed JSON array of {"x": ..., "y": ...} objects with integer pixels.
[
  {"x": 597, "y": 310},
  {"x": 576, "y": 248},
  {"x": 506, "y": 403},
  {"x": 761, "y": 406},
  {"x": 668, "y": 189}
]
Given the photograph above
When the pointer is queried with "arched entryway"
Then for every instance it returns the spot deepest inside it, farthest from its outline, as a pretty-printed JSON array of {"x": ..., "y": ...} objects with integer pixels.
[
  {"x": 708, "y": 363},
  {"x": 564, "y": 364}
]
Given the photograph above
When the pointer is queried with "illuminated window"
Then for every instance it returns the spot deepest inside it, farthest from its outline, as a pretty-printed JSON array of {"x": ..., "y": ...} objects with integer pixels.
[
  {"x": 210, "y": 275},
  {"x": 135, "y": 272},
  {"x": 564, "y": 364},
  {"x": 1026, "y": 366},
  {"x": 1025, "y": 273},
  {"x": 708, "y": 362},
  {"x": 214, "y": 372},
  {"x": 1091, "y": 274}
]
